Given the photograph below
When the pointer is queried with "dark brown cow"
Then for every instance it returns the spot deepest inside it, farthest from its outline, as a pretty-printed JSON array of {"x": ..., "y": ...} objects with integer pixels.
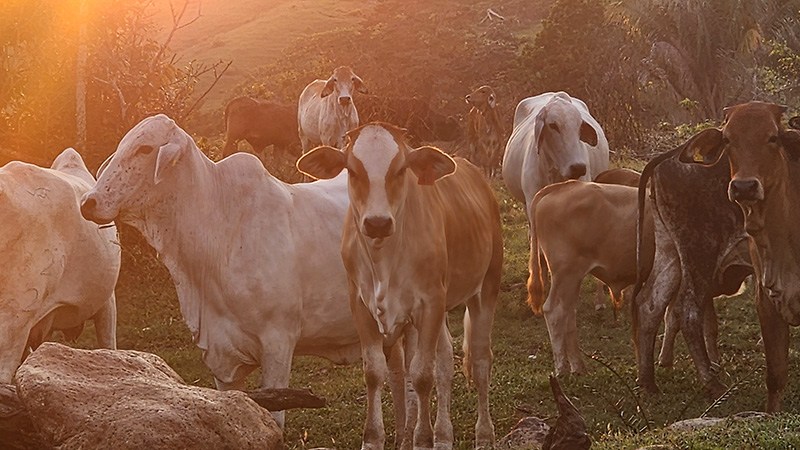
[
  {"x": 699, "y": 242},
  {"x": 765, "y": 182},
  {"x": 412, "y": 113},
  {"x": 261, "y": 123},
  {"x": 484, "y": 130}
]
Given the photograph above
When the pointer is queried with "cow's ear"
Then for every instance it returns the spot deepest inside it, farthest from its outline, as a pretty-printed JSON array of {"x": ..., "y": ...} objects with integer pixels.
[
  {"x": 588, "y": 134},
  {"x": 430, "y": 164},
  {"x": 328, "y": 88},
  {"x": 703, "y": 148},
  {"x": 358, "y": 83},
  {"x": 538, "y": 128},
  {"x": 790, "y": 139},
  {"x": 322, "y": 163},
  {"x": 168, "y": 155}
]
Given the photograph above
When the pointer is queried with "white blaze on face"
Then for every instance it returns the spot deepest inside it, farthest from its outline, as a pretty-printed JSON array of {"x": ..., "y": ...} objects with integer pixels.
[{"x": 376, "y": 148}]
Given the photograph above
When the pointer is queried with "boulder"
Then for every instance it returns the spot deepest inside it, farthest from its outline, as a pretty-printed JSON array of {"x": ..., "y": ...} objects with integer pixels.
[
  {"x": 528, "y": 434},
  {"x": 122, "y": 399}
]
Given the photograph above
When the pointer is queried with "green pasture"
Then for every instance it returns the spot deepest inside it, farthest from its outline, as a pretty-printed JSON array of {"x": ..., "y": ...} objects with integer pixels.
[{"x": 616, "y": 414}]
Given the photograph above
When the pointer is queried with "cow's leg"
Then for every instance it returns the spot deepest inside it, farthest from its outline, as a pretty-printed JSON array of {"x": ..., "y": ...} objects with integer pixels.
[
  {"x": 711, "y": 332},
  {"x": 775, "y": 333},
  {"x": 395, "y": 358},
  {"x": 412, "y": 401},
  {"x": 276, "y": 367},
  {"x": 105, "y": 324},
  {"x": 443, "y": 430},
  {"x": 693, "y": 294},
  {"x": 672, "y": 325},
  {"x": 559, "y": 315},
  {"x": 649, "y": 306},
  {"x": 375, "y": 371},
  {"x": 478, "y": 345},
  {"x": 423, "y": 367}
]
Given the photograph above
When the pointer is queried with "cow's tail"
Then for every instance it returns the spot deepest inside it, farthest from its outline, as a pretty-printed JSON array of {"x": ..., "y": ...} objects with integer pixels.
[
  {"x": 640, "y": 263},
  {"x": 466, "y": 363},
  {"x": 536, "y": 272}
]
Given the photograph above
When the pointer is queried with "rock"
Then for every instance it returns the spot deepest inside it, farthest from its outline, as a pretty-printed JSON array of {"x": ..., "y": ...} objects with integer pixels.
[
  {"x": 86, "y": 399},
  {"x": 695, "y": 424},
  {"x": 527, "y": 434},
  {"x": 16, "y": 429}
]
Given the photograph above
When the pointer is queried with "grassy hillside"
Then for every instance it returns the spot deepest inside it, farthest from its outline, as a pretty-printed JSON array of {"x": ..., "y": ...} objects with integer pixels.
[{"x": 249, "y": 33}]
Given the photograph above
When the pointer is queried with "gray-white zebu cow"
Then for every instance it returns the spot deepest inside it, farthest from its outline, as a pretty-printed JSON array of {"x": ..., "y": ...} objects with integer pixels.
[
  {"x": 255, "y": 261},
  {"x": 57, "y": 270},
  {"x": 325, "y": 110},
  {"x": 554, "y": 139}
]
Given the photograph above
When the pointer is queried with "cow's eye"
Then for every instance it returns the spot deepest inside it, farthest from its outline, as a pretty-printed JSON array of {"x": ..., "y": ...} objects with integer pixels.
[
  {"x": 401, "y": 171},
  {"x": 554, "y": 127},
  {"x": 144, "y": 149},
  {"x": 773, "y": 139}
]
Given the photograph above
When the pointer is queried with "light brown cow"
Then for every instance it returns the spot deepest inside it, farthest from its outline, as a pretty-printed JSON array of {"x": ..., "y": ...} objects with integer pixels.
[
  {"x": 484, "y": 130},
  {"x": 580, "y": 228},
  {"x": 412, "y": 253},
  {"x": 765, "y": 182},
  {"x": 623, "y": 177},
  {"x": 326, "y": 112}
]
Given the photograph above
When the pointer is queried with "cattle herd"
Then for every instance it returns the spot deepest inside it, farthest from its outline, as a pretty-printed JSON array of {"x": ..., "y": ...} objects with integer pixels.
[{"x": 404, "y": 235}]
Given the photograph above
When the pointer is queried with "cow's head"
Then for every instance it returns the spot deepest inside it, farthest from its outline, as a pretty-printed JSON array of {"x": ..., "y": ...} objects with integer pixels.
[
  {"x": 758, "y": 148},
  {"x": 144, "y": 158},
  {"x": 376, "y": 158},
  {"x": 560, "y": 133},
  {"x": 342, "y": 84},
  {"x": 482, "y": 98}
]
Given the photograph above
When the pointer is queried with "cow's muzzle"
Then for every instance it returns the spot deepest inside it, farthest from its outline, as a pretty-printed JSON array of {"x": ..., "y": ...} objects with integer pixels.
[
  {"x": 345, "y": 101},
  {"x": 89, "y": 211},
  {"x": 745, "y": 191},
  {"x": 576, "y": 171},
  {"x": 377, "y": 227}
]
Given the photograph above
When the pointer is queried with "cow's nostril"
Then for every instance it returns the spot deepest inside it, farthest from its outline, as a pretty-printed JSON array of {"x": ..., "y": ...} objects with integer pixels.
[
  {"x": 87, "y": 208},
  {"x": 344, "y": 100},
  {"x": 576, "y": 171},
  {"x": 744, "y": 190},
  {"x": 378, "y": 227}
]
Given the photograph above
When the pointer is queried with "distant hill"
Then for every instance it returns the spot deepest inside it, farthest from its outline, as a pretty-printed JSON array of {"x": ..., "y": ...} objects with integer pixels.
[{"x": 249, "y": 32}]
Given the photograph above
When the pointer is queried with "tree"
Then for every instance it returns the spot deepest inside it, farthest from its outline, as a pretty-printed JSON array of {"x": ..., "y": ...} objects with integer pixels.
[
  {"x": 705, "y": 50},
  {"x": 591, "y": 58},
  {"x": 128, "y": 75}
]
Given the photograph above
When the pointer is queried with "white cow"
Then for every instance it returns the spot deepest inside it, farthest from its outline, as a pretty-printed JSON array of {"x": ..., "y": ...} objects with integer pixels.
[
  {"x": 256, "y": 265},
  {"x": 325, "y": 111},
  {"x": 57, "y": 270},
  {"x": 554, "y": 139}
]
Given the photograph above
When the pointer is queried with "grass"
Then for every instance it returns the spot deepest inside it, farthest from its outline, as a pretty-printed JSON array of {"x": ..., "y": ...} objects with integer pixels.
[{"x": 150, "y": 320}]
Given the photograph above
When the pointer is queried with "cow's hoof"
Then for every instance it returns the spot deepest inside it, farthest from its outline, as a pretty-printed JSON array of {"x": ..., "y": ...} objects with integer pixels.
[
  {"x": 443, "y": 446},
  {"x": 715, "y": 389},
  {"x": 665, "y": 363},
  {"x": 649, "y": 387}
]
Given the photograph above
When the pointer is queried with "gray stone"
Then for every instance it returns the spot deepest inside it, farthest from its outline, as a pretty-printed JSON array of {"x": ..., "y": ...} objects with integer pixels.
[
  {"x": 695, "y": 424},
  {"x": 528, "y": 433},
  {"x": 85, "y": 399}
]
